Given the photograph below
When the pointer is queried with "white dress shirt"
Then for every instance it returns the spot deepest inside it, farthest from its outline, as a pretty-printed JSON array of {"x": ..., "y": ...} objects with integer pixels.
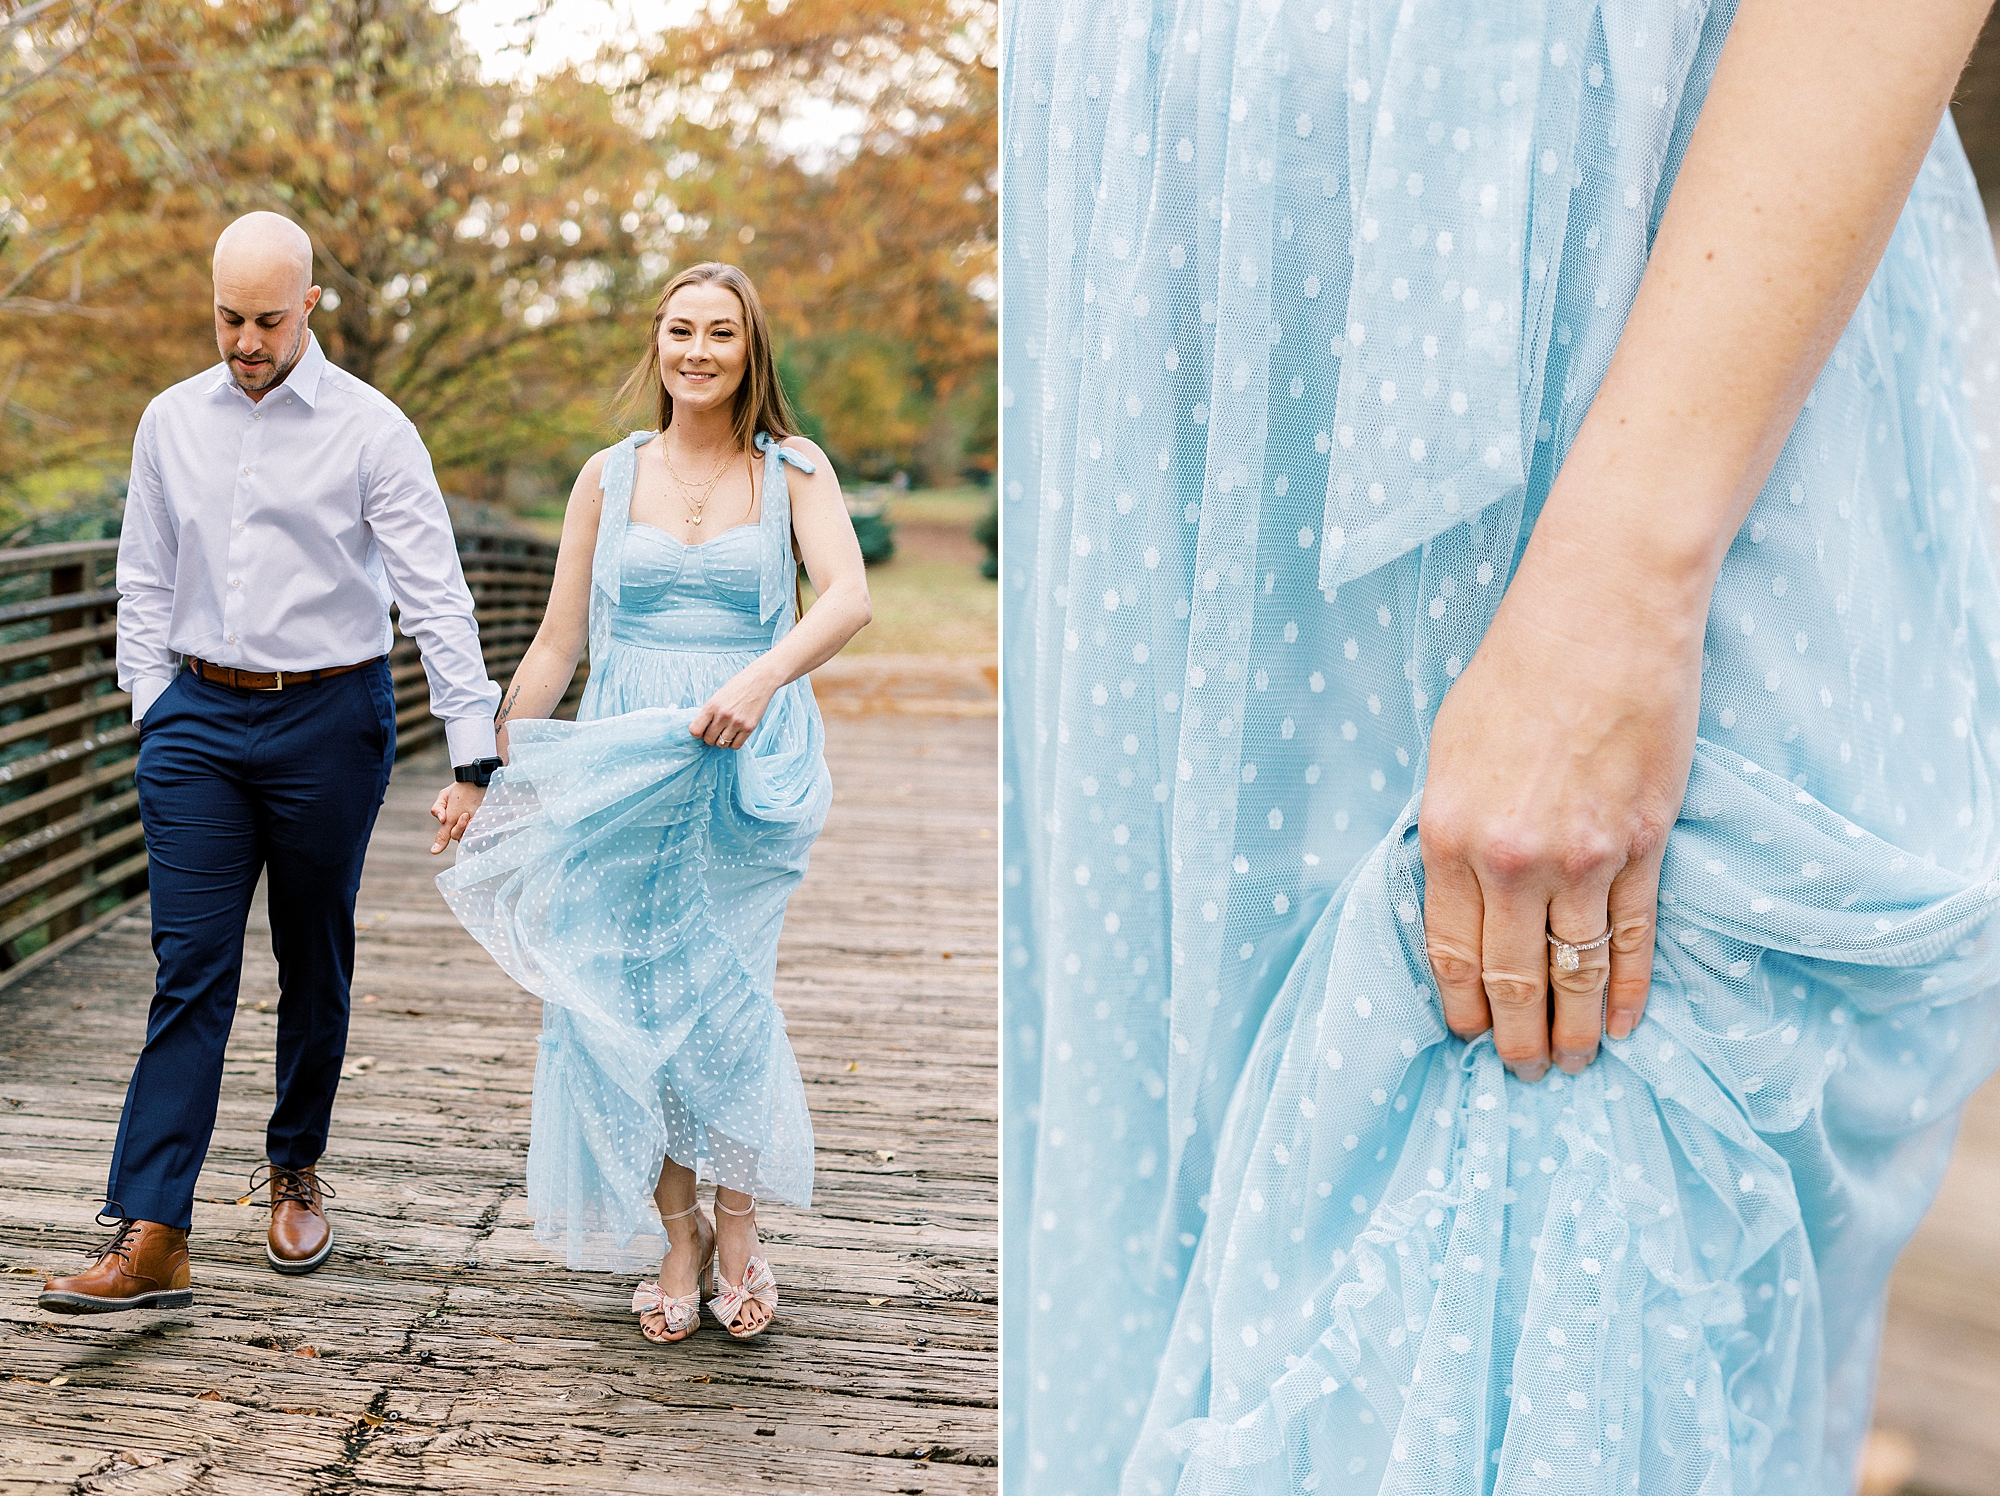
[{"x": 272, "y": 535}]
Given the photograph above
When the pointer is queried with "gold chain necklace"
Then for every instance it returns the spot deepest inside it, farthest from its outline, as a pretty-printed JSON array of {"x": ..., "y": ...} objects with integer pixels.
[{"x": 705, "y": 488}]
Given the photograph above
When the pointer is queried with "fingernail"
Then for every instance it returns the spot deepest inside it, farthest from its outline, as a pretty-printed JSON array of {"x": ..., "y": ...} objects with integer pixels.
[
  {"x": 1574, "y": 1062},
  {"x": 1529, "y": 1074},
  {"x": 1620, "y": 1025}
]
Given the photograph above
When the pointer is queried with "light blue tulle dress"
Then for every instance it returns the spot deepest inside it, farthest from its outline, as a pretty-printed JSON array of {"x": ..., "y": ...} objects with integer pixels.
[
  {"x": 635, "y": 880},
  {"x": 1303, "y": 306}
]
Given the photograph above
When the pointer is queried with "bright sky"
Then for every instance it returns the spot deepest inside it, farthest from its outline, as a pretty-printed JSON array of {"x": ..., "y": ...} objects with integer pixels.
[{"x": 512, "y": 44}]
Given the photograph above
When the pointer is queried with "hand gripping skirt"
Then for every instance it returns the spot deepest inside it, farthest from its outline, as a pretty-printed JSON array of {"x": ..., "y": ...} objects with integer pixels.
[{"x": 635, "y": 880}]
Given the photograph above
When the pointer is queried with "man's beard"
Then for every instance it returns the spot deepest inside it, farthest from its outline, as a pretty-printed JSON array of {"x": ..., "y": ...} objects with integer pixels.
[{"x": 277, "y": 372}]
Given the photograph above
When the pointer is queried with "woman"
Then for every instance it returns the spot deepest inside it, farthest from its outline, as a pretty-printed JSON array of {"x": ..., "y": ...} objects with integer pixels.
[
  {"x": 1485, "y": 493},
  {"x": 631, "y": 869}
]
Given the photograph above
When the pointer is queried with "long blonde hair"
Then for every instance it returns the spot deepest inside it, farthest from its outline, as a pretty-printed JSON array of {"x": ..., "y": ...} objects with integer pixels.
[{"x": 760, "y": 399}]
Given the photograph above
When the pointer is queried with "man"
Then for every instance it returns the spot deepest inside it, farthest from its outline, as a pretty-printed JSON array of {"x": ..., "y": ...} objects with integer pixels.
[{"x": 277, "y": 504}]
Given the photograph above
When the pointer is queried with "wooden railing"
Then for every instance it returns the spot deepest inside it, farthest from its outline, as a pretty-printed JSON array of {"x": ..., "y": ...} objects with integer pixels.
[{"x": 72, "y": 852}]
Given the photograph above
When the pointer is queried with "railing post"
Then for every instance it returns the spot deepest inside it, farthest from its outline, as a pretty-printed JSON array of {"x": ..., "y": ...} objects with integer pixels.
[{"x": 64, "y": 580}]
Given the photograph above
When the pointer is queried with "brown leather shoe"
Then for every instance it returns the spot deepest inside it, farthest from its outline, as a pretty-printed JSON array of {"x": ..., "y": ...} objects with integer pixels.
[
  {"x": 143, "y": 1266},
  {"x": 300, "y": 1237}
]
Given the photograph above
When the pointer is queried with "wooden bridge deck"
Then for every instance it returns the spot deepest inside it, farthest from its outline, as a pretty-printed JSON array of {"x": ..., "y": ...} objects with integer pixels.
[
  {"x": 439, "y": 1350},
  {"x": 1940, "y": 1379}
]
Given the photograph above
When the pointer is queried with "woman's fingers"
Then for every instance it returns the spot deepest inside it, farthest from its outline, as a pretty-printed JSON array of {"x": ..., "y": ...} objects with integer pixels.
[
  {"x": 1634, "y": 918},
  {"x": 1514, "y": 963},
  {"x": 1576, "y": 914},
  {"x": 1452, "y": 915}
]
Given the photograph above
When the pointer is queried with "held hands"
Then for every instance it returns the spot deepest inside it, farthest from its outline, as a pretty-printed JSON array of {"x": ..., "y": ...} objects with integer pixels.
[
  {"x": 452, "y": 810},
  {"x": 728, "y": 718},
  {"x": 1557, "y": 767}
]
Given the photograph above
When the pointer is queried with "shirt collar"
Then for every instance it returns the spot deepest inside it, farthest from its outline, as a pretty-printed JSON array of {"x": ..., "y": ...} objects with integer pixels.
[{"x": 303, "y": 381}]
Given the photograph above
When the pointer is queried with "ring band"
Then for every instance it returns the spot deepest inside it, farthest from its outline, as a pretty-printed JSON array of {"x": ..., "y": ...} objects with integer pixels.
[{"x": 1568, "y": 956}]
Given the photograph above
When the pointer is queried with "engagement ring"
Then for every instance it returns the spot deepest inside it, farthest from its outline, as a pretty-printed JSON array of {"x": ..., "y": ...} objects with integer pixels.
[{"x": 1570, "y": 957}]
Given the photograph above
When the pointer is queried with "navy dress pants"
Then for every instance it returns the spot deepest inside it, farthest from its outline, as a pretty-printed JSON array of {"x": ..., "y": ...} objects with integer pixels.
[{"x": 233, "y": 783}]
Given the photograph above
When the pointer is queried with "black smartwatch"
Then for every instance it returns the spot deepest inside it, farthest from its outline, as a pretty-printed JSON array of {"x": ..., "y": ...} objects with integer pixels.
[{"x": 480, "y": 771}]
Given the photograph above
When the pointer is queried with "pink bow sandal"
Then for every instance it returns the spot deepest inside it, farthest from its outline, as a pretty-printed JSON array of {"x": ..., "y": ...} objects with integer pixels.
[
  {"x": 758, "y": 1284},
  {"x": 679, "y": 1315}
]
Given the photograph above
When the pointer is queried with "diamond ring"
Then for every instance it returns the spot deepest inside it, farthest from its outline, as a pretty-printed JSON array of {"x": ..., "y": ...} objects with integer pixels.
[{"x": 1570, "y": 957}]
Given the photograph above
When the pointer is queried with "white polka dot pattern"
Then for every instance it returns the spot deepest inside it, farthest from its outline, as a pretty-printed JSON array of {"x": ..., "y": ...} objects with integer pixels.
[
  {"x": 1303, "y": 307},
  {"x": 635, "y": 880}
]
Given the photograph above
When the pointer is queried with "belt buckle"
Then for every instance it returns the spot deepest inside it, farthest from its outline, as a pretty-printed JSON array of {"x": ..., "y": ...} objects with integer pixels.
[{"x": 279, "y": 686}]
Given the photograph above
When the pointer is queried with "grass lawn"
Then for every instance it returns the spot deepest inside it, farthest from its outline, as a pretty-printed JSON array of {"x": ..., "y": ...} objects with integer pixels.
[{"x": 929, "y": 597}]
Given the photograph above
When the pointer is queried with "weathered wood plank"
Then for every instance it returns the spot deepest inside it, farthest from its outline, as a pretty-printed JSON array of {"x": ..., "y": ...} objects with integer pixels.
[
  {"x": 1940, "y": 1378},
  {"x": 440, "y": 1350}
]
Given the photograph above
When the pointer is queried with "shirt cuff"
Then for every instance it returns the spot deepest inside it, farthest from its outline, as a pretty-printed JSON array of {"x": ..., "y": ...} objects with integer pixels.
[
  {"x": 470, "y": 739},
  {"x": 145, "y": 691}
]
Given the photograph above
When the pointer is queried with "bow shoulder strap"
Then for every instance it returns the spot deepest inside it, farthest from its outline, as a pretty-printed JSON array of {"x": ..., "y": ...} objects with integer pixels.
[
  {"x": 775, "y": 591},
  {"x": 607, "y": 559}
]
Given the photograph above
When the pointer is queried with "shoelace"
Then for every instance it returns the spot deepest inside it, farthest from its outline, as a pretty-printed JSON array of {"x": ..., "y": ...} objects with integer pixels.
[
  {"x": 121, "y": 1244},
  {"x": 295, "y": 1186}
]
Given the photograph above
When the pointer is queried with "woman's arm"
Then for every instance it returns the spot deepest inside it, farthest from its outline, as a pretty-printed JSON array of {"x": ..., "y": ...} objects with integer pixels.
[
  {"x": 840, "y": 609},
  {"x": 545, "y": 671},
  {"x": 1560, "y": 757}
]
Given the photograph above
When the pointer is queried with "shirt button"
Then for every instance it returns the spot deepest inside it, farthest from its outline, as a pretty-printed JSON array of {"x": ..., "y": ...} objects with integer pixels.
[
  {"x": 246, "y": 472},
  {"x": 232, "y": 638},
  {"x": 235, "y": 582}
]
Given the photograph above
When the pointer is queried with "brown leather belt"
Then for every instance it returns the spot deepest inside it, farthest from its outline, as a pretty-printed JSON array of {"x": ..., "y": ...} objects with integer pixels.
[{"x": 269, "y": 680}]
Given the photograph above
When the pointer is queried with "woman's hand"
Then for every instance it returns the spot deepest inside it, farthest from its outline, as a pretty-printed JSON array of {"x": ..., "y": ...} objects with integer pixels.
[
  {"x": 1556, "y": 770},
  {"x": 733, "y": 712},
  {"x": 453, "y": 811}
]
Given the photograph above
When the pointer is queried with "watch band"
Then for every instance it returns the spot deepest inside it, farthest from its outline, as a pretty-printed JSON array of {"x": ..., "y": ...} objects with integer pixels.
[{"x": 480, "y": 771}]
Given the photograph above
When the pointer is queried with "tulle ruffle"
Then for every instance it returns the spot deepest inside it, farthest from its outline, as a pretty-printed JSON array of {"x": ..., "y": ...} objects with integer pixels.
[
  {"x": 635, "y": 880},
  {"x": 1306, "y": 304}
]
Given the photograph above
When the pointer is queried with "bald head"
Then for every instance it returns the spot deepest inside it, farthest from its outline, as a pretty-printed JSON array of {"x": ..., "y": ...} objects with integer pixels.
[
  {"x": 263, "y": 295},
  {"x": 261, "y": 246}
]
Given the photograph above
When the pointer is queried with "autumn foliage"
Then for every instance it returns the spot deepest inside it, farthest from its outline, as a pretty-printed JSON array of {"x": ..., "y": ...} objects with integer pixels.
[{"x": 492, "y": 252}]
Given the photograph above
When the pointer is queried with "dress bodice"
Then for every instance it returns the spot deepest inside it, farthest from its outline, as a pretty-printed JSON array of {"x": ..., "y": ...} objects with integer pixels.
[
  {"x": 652, "y": 590},
  {"x": 673, "y": 595}
]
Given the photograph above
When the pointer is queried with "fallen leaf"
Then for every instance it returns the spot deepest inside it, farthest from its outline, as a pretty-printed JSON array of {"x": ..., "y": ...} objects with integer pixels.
[
  {"x": 852, "y": 1065},
  {"x": 372, "y": 1421},
  {"x": 884, "y": 1154},
  {"x": 878, "y": 1303},
  {"x": 496, "y": 1335},
  {"x": 369, "y": 997},
  {"x": 58, "y": 1381},
  {"x": 310, "y": 1352},
  {"x": 357, "y": 1067},
  {"x": 947, "y": 955},
  {"x": 704, "y": 1377},
  {"x": 209, "y": 1396}
]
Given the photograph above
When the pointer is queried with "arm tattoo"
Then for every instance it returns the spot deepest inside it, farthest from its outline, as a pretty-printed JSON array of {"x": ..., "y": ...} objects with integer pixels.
[{"x": 507, "y": 706}]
